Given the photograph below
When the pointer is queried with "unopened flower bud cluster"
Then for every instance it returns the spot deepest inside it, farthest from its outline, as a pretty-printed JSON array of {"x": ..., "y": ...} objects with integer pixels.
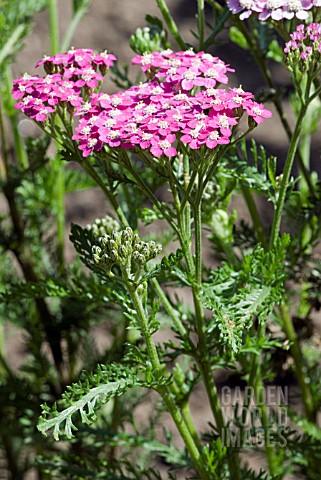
[
  {"x": 125, "y": 249},
  {"x": 103, "y": 226},
  {"x": 304, "y": 48}
]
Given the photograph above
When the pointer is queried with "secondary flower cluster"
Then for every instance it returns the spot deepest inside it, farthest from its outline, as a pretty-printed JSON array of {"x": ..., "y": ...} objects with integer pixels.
[
  {"x": 275, "y": 9},
  {"x": 180, "y": 102},
  {"x": 71, "y": 76},
  {"x": 125, "y": 249},
  {"x": 305, "y": 45}
]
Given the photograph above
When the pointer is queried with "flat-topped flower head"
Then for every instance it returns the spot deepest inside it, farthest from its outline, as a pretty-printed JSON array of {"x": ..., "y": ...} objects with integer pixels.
[
  {"x": 274, "y": 9},
  {"x": 303, "y": 51},
  {"x": 180, "y": 103},
  {"x": 70, "y": 78}
]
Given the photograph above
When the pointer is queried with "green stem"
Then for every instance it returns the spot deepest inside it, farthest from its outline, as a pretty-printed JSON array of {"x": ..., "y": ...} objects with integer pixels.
[
  {"x": 300, "y": 369},
  {"x": 54, "y": 26},
  {"x": 13, "y": 116},
  {"x": 172, "y": 27},
  {"x": 60, "y": 212},
  {"x": 165, "y": 391},
  {"x": 256, "y": 219},
  {"x": 169, "y": 309},
  {"x": 86, "y": 165},
  {"x": 286, "y": 318},
  {"x": 186, "y": 212},
  {"x": 261, "y": 62},
  {"x": 4, "y": 153},
  {"x": 256, "y": 382},
  {"x": 60, "y": 173},
  {"x": 203, "y": 357},
  {"x": 200, "y": 23},
  {"x": 286, "y": 176},
  {"x": 186, "y": 413},
  {"x": 145, "y": 188},
  {"x": 77, "y": 16}
]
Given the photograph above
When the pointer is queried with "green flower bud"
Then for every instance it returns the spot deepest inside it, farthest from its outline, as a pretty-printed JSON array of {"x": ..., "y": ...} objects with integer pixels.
[{"x": 114, "y": 255}]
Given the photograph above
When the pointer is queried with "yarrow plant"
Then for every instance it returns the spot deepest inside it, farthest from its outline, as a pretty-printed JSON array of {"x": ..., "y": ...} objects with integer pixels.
[{"x": 170, "y": 151}]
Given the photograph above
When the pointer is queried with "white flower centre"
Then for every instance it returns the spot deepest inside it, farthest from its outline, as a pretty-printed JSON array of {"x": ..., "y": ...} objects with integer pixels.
[
  {"x": 164, "y": 144},
  {"x": 114, "y": 113},
  {"x": 140, "y": 106},
  {"x": 207, "y": 56},
  {"x": 247, "y": 4},
  {"x": 166, "y": 52},
  {"x": 210, "y": 92},
  {"x": 238, "y": 99},
  {"x": 195, "y": 133},
  {"x": 86, "y": 107},
  {"x": 151, "y": 109},
  {"x": 109, "y": 122},
  {"x": 116, "y": 101},
  {"x": 294, "y": 5},
  {"x": 92, "y": 142},
  {"x": 181, "y": 96},
  {"x": 163, "y": 124},
  {"x": 177, "y": 117},
  {"x": 86, "y": 130},
  {"x": 114, "y": 134},
  {"x": 239, "y": 90},
  {"x": 174, "y": 62},
  {"x": 157, "y": 91},
  {"x": 273, "y": 4},
  {"x": 212, "y": 73},
  {"x": 223, "y": 121},
  {"x": 147, "y": 136},
  {"x": 200, "y": 116},
  {"x": 147, "y": 59},
  {"x": 257, "y": 111},
  {"x": 27, "y": 99},
  {"x": 213, "y": 136},
  {"x": 72, "y": 97},
  {"x": 189, "y": 75},
  {"x": 92, "y": 119}
]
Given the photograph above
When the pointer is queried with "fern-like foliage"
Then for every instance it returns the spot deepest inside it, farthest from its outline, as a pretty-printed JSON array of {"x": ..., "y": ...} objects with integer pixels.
[
  {"x": 85, "y": 397},
  {"x": 236, "y": 316},
  {"x": 236, "y": 296}
]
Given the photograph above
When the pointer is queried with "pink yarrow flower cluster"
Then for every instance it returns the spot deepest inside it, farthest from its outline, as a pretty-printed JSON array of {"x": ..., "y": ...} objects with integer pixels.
[
  {"x": 181, "y": 102},
  {"x": 71, "y": 76},
  {"x": 274, "y": 9},
  {"x": 305, "y": 44}
]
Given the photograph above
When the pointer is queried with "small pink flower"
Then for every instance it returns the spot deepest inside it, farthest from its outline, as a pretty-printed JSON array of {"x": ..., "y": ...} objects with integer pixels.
[
  {"x": 258, "y": 112},
  {"x": 163, "y": 146}
]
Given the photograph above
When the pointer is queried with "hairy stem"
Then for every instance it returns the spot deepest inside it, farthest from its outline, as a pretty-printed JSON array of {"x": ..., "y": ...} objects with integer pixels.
[
  {"x": 59, "y": 166},
  {"x": 300, "y": 369},
  {"x": 256, "y": 219},
  {"x": 172, "y": 27},
  {"x": 165, "y": 391}
]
